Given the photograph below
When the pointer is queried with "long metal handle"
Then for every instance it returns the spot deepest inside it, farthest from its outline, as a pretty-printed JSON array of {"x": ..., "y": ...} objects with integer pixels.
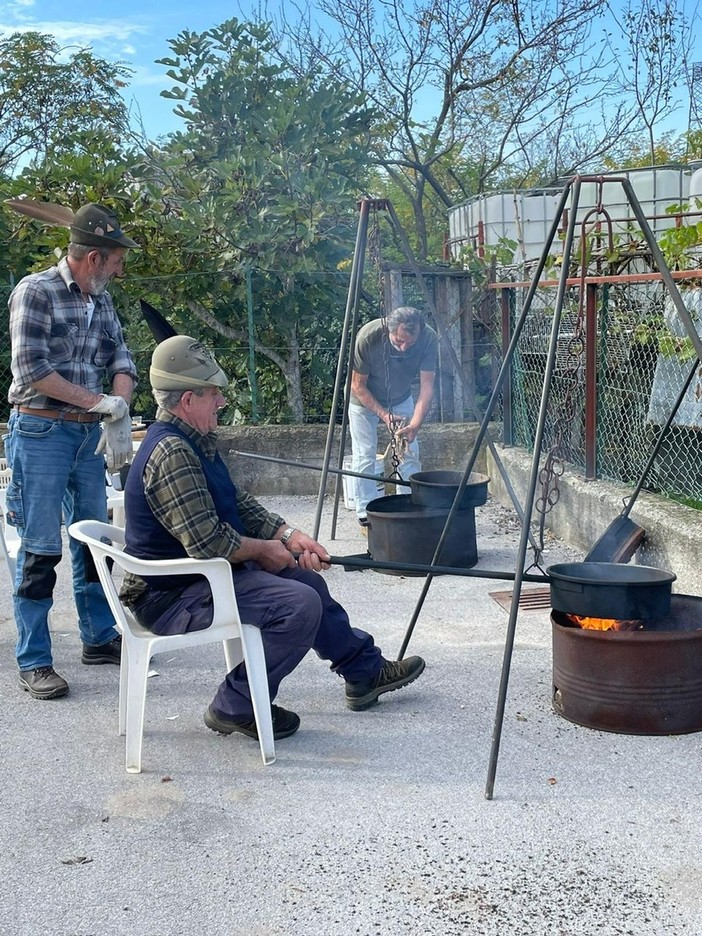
[
  {"x": 335, "y": 471},
  {"x": 360, "y": 562}
]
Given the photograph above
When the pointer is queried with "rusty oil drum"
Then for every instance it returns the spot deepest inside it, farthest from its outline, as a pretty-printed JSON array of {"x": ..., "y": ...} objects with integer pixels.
[{"x": 644, "y": 682}]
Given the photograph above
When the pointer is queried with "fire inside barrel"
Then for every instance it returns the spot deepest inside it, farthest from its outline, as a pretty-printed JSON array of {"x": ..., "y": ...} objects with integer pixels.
[{"x": 605, "y": 624}]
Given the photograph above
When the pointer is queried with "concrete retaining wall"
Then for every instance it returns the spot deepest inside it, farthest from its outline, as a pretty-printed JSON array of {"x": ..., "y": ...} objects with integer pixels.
[{"x": 445, "y": 445}]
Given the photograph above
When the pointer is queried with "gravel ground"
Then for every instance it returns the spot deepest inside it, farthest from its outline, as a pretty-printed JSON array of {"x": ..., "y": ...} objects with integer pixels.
[{"x": 371, "y": 823}]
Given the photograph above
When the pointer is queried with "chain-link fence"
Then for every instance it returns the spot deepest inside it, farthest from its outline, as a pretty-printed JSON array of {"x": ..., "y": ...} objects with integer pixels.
[
  {"x": 605, "y": 413},
  {"x": 622, "y": 359}
]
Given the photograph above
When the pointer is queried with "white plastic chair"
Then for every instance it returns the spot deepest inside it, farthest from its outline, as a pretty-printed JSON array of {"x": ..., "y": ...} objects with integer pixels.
[
  {"x": 10, "y": 541},
  {"x": 241, "y": 641}
]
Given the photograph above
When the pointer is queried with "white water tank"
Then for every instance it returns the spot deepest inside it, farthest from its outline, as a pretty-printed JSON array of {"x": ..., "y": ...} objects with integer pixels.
[
  {"x": 523, "y": 217},
  {"x": 526, "y": 216},
  {"x": 696, "y": 188},
  {"x": 656, "y": 189}
]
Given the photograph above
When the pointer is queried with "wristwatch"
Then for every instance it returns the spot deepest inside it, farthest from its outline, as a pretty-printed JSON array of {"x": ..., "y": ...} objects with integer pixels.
[{"x": 286, "y": 535}]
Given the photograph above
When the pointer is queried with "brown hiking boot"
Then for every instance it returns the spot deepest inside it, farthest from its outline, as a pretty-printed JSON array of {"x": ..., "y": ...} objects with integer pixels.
[
  {"x": 43, "y": 683},
  {"x": 393, "y": 675}
]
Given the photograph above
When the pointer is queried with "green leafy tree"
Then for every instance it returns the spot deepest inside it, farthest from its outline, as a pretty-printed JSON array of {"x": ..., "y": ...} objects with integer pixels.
[
  {"x": 47, "y": 91},
  {"x": 261, "y": 180}
]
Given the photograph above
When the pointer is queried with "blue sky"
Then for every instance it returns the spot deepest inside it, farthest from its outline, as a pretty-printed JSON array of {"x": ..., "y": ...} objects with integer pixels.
[
  {"x": 133, "y": 31},
  {"x": 136, "y": 32}
]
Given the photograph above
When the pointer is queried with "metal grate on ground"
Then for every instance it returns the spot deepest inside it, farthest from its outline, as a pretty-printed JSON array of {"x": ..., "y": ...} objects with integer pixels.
[{"x": 530, "y": 599}]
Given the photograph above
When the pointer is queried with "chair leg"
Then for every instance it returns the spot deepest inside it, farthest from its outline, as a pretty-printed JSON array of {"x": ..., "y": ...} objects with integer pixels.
[
  {"x": 233, "y": 654},
  {"x": 123, "y": 685},
  {"x": 136, "y": 702},
  {"x": 252, "y": 646}
]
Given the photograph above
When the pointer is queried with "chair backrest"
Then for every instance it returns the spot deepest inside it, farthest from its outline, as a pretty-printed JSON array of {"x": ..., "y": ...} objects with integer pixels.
[
  {"x": 106, "y": 542},
  {"x": 5, "y": 476},
  {"x": 9, "y": 539}
]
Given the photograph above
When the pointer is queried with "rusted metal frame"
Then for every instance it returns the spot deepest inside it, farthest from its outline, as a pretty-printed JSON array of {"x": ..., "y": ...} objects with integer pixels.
[
  {"x": 605, "y": 278},
  {"x": 507, "y": 415},
  {"x": 590, "y": 382},
  {"x": 349, "y": 329},
  {"x": 576, "y": 184},
  {"x": 548, "y": 376}
]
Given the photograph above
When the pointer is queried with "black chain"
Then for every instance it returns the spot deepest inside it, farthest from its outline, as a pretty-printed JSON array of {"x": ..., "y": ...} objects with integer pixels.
[{"x": 375, "y": 255}]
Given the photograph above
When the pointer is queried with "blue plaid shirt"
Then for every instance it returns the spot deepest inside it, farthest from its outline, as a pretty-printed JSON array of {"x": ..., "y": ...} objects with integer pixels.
[{"x": 50, "y": 333}]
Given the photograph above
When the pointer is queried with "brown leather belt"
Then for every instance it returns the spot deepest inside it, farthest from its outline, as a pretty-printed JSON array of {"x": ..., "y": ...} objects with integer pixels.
[{"x": 59, "y": 414}]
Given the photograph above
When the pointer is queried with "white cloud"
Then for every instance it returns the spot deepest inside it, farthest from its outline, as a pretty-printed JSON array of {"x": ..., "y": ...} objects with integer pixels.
[{"x": 66, "y": 31}]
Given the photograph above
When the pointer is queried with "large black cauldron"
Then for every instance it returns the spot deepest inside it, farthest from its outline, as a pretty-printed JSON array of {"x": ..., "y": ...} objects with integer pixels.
[
  {"x": 401, "y": 531},
  {"x": 610, "y": 590}
]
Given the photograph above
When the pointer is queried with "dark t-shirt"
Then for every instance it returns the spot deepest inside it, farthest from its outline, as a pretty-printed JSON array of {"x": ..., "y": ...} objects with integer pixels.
[{"x": 372, "y": 345}]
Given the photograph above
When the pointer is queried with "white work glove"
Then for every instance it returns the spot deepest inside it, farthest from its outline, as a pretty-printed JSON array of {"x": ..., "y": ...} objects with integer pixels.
[
  {"x": 112, "y": 407},
  {"x": 116, "y": 441}
]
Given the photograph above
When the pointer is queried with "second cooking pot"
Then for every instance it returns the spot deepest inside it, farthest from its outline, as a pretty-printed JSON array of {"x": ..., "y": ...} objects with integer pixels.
[
  {"x": 402, "y": 531},
  {"x": 610, "y": 590},
  {"x": 438, "y": 489}
]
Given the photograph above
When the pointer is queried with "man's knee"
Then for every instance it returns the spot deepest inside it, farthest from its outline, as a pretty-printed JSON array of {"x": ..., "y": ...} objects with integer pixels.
[
  {"x": 309, "y": 612},
  {"x": 38, "y": 576}
]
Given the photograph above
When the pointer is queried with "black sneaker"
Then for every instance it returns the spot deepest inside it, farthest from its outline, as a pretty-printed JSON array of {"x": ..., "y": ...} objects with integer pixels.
[
  {"x": 106, "y": 653},
  {"x": 43, "y": 683},
  {"x": 363, "y": 526},
  {"x": 393, "y": 675},
  {"x": 285, "y": 723}
]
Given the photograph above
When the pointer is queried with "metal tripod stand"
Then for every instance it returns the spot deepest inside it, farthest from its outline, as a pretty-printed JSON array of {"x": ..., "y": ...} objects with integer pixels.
[
  {"x": 346, "y": 349},
  {"x": 572, "y": 189}
]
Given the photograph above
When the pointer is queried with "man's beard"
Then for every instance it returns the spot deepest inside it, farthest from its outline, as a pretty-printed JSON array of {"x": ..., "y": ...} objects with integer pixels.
[{"x": 98, "y": 283}]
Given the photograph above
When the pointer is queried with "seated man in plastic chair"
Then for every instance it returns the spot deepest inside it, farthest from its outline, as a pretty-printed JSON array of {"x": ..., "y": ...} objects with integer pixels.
[{"x": 180, "y": 501}]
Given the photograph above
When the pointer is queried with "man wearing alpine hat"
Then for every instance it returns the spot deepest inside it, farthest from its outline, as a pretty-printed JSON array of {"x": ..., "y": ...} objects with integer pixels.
[
  {"x": 180, "y": 501},
  {"x": 67, "y": 347}
]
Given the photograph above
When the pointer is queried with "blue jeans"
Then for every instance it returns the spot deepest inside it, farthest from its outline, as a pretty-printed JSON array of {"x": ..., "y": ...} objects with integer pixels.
[
  {"x": 55, "y": 474},
  {"x": 363, "y": 426}
]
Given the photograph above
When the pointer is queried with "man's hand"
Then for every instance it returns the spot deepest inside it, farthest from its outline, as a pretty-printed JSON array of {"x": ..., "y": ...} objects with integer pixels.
[
  {"x": 408, "y": 432},
  {"x": 116, "y": 440},
  {"x": 113, "y": 408},
  {"x": 272, "y": 556},
  {"x": 310, "y": 554}
]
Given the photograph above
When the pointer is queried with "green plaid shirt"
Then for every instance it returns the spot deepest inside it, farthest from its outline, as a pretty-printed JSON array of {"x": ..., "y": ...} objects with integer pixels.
[{"x": 177, "y": 493}]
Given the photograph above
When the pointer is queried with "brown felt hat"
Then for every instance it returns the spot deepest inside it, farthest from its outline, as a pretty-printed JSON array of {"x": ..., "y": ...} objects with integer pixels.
[{"x": 97, "y": 226}]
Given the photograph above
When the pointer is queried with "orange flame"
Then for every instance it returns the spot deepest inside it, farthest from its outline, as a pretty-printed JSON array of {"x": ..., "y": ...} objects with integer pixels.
[{"x": 604, "y": 624}]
